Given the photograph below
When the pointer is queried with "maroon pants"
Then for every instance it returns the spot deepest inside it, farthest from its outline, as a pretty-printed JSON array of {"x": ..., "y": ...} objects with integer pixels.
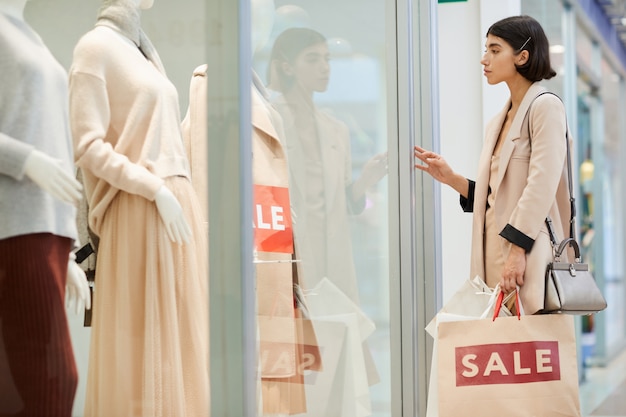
[{"x": 38, "y": 375}]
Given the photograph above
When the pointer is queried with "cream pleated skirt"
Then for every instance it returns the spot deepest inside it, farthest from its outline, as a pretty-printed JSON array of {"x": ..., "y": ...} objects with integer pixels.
[{"x": 150, "y": 332}]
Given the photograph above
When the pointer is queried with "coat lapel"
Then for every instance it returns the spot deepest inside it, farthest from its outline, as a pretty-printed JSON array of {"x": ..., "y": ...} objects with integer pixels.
[
  {"x": 482, "y": 179},
  {"x": 515, "y": 130},
  {"x": 261, "y": 117}
]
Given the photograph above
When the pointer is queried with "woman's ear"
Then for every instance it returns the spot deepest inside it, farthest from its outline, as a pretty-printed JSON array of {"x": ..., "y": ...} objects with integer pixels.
[{"x": 522, "y": 58}]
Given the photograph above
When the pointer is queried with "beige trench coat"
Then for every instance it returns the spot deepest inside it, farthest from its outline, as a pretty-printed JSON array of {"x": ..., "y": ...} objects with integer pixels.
[
  {"x": 274, "y": 281},
  {"x": 531, "y": 186}
]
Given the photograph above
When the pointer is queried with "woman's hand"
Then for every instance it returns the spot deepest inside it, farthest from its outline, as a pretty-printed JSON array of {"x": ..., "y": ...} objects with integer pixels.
[
  {"x": 434, "y": 165},
  {"x": 172, "y": 215},
  {"x": 514, "y": 268},
  {"x": 439, "y": 169}
]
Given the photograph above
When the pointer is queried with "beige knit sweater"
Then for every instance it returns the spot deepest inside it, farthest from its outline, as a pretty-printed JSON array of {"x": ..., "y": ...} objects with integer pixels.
[{"x": 125, "y": 121}]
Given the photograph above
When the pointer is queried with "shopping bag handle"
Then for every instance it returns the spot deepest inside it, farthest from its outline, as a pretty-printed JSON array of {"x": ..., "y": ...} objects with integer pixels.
[{"x": 500, "y": 299}]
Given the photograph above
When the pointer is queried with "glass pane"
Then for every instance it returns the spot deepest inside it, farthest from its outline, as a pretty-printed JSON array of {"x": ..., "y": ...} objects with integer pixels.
[{"x": 324, "y": 75}]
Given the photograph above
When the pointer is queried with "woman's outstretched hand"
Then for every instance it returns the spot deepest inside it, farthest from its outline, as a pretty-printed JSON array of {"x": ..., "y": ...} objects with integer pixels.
[
  {"x": 434, "y": 164},
  {"x": 439, "y": 169}
]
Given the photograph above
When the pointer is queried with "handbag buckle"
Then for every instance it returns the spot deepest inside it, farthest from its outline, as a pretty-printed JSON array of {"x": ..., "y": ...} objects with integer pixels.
[{"x": 572, "y": 270}]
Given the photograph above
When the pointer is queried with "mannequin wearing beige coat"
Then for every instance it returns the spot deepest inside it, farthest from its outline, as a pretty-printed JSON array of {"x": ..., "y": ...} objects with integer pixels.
[{"x": 281, "y": 387}]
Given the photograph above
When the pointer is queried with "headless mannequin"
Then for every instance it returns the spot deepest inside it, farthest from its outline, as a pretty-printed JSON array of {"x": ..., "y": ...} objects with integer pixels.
[
  {"x": 36, "y": 262},
  {"x": 169, "y": 208},
  {"x": 142, "y": 207},
  {"x": 49, "y": 174}
]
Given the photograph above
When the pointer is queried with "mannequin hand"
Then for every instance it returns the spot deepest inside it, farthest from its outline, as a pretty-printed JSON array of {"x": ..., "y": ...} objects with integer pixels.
[
  {"x": 49, "y": 174},
  {"x": 434, "y": 164},
  {"x": 514, "y": 268},
  {"x": 77, "y": 288},
  {"x": 374, "y": 169},
  {"x": 172, "y": 215}
]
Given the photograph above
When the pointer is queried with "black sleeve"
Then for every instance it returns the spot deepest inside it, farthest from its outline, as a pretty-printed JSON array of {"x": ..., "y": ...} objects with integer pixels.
[{"x": 467, "y": 204}]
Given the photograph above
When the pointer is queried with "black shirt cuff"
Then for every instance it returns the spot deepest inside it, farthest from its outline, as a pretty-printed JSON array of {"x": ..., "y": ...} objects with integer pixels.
[
  {"x": 467, "y": 204},
  {"x": 518, "y": 238}
]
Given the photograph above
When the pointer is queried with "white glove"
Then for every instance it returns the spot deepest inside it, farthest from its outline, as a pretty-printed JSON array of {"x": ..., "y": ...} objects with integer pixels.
[
  {"x": 77, "y": 287},
  {"x": 50, "y": 174},
  {"x": 172, "y": 215}
]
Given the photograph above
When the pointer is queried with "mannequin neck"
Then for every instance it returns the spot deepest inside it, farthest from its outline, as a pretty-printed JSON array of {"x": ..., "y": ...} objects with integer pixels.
[{"x": 13, "y": 8}]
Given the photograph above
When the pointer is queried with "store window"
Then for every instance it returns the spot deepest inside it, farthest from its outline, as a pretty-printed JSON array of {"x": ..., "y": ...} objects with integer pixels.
[
  {"x": 325, "y": 76},
  {"x": 323, "y": 69}
]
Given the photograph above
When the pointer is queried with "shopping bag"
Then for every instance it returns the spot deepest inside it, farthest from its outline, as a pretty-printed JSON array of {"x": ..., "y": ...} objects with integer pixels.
[
  {"x": 509, "y": 366},
  {"x": 341, "y": 327},
  {"x": 474, "y": 299},
  {"x": 285, "y": 392}
]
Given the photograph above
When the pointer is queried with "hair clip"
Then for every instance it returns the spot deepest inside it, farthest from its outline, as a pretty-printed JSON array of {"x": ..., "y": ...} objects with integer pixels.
[{"x": 522, "y": 47}]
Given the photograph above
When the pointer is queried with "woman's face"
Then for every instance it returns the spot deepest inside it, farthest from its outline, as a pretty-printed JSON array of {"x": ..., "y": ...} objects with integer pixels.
[
  {"x": 310, "y": 69},
  {"x": 499, "y": 60}
]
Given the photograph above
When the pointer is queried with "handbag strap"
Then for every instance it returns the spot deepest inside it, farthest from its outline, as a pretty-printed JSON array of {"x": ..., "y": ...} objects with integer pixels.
[{"x": 572, "y": 200}]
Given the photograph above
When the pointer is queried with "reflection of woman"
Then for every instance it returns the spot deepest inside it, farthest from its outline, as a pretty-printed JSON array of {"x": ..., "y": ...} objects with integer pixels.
[
  {"x": 149, "y": 337},
  {"x": 318, "y": 150},
  {"x": 521, "y": 173},
  {"x": 37, "y": 225}
]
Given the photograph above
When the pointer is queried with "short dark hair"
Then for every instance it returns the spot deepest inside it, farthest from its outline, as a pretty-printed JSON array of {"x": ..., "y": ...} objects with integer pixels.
[
  {"x": 525, "y": 33},
  {"x": 286, "y": 49}
]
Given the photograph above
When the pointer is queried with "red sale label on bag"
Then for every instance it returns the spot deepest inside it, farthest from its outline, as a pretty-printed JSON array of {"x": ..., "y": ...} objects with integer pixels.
[
  {"x": 272, "y": 219},
  {"x": 507, "y": 363}
]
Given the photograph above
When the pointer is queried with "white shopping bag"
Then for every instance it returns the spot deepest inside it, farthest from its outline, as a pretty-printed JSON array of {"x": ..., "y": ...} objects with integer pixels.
[
  {"x": 341, "y": 388},
  {"x": 474, "y": 299}
]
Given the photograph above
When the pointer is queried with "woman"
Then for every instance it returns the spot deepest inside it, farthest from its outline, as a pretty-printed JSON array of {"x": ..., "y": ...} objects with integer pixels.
[
  {"x": 149, "y": 345},
  {"x": 38, "y": 193},
  {"x": 323, "y": 193},
  {"x": 522, "y": 175}
]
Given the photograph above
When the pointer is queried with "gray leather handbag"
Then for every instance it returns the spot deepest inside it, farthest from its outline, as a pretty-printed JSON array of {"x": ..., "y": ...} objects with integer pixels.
[{"x": 570, "y": 286}]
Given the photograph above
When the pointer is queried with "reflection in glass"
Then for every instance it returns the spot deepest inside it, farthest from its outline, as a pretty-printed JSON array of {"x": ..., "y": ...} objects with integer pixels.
[{"x": 324, "y": 198}]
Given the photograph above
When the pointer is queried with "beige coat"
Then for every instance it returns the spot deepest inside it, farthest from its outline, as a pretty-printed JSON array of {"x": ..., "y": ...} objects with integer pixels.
[
  {"x": 274, "y": 281},
  {"x": 531, "y": 186}
]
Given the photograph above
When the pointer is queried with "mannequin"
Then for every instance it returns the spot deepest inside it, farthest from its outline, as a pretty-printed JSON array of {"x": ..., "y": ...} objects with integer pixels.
[
  {"x": 152, "y": 269},
  {"x": 281, "y": 393},
  {"x": 37, "y": 225}
]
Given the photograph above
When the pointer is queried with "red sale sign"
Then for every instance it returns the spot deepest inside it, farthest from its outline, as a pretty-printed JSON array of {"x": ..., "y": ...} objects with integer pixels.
[
  {"x": 507, "y": 363},
  {"x": 272, "y": 219}
]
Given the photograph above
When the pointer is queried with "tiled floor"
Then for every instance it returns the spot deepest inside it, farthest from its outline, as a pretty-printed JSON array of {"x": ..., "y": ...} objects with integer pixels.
[{"x": 603, "y": 394}]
